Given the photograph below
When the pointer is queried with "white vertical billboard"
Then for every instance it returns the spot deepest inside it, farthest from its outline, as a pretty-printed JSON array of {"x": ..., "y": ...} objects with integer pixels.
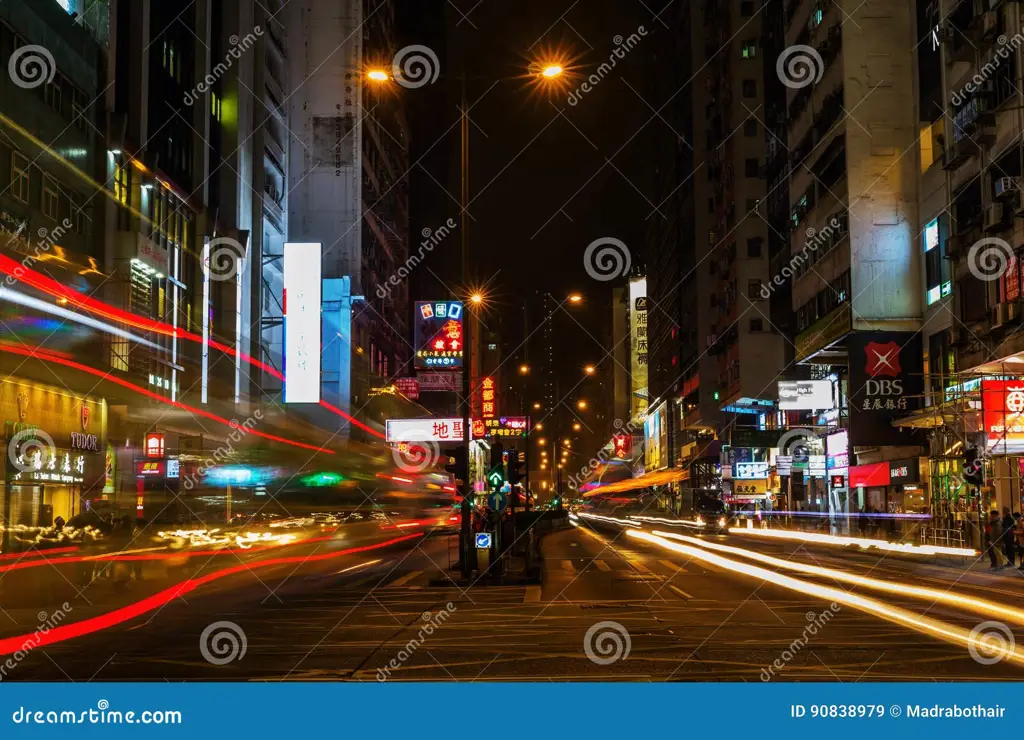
[
  {"x": 302, "y": 296},
  {"x": 638, "y": 345}
]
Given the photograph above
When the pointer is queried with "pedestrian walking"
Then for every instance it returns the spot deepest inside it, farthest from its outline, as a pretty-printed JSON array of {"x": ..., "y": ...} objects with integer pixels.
[{"x": 993, "y": 535}]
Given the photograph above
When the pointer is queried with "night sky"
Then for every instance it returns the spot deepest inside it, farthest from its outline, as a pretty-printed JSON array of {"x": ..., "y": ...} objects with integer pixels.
[{"x": 547, "y": 178}]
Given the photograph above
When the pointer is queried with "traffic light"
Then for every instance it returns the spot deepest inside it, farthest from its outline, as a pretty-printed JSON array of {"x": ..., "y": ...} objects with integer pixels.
[
  {"x": 497, "y": 453},
  {"x": 515, "y": 473},
  {"x": 457, "y": 463}
]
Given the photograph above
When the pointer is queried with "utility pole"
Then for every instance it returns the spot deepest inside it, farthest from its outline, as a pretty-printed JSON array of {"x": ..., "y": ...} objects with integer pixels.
[{"x": 467, "y": 549}]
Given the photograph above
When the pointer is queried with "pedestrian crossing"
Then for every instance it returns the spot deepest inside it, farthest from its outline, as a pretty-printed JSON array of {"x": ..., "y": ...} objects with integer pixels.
[{"x": 625, "y": 567}]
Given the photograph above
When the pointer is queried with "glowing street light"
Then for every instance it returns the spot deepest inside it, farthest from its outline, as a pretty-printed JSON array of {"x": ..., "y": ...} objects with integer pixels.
[
  {"x": 576, "y": 426},
  {"x": 524, "y": 369},
  {"x": 575, "y": 299},
  {"x": 552, "y": 70},
  {"x": 567, "y": 442},
  {"x": 581, "y": 405},
  {"x": 538, "y": 426},
  {"x": 476, "y": 299},
  {"x": 377, "y": 75},
  {"x": 536, "y": 405},
  {"x": 542, "y": 441},
  {"x": 589, "y": 369}
]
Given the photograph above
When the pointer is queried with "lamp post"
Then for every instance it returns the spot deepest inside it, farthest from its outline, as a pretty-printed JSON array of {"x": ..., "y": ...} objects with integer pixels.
[{"x": 545, "y": 72}]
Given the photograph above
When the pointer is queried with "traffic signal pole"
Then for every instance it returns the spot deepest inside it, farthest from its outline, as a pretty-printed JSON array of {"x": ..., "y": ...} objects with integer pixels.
[{"x": 467, "y": 549}]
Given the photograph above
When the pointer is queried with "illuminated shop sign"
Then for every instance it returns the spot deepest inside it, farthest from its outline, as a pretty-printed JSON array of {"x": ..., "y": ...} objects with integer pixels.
[
  {"x": 505, "y": 426},
  {"x": 805, "y": 395},
  {"x": 44, "y": 465},
  {"x": 425, "y": 430},
  {"x": 750, "y": 470},
  {"x": 438, "y": 335}
]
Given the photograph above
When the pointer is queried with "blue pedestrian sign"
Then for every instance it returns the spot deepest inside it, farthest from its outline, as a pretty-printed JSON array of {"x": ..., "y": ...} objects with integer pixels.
[
  {"x": 497, "y": 500},
  {"x": 483, "y": 540}
]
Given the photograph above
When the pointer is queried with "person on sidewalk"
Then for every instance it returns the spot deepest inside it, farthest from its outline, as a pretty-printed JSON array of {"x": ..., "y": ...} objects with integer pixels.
[
  {"x": 1009, "y": 535},
  {"x": 993, "y": 535}
]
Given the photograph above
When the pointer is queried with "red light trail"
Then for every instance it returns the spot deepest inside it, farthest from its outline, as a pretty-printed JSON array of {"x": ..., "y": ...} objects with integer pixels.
[{"x": 117, "y": 616}]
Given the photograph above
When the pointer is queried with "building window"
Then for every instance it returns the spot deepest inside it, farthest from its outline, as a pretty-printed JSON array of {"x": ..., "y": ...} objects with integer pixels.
[
  {"x": 51, "y": 198},
  {"x": 754, "y": 248},
  {"x": 749, "y": 88},
  {"x": 756, "y": 325},
  {"x": 751, "y": 205},
  {"x": 754, "y": 290},
  {"x": 750, "y": 127},
  {"x": 750, "y": 168},
  {"x": 750, "y": 49},
  {"x": 121, "y": 184},
  {"x": 77, "y": 214},
  {"x": 20, "y": 179},
  {"x": 52, "y": 93},
  {"x": 215, "y": 106}
]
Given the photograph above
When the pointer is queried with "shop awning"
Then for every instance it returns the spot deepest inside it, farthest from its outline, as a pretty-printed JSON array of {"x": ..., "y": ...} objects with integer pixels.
[{"x": 659, "y": 478}]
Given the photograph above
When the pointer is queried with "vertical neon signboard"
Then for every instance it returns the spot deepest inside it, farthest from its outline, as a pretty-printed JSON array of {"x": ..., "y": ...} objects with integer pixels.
[{"x": 302, "y": 299}]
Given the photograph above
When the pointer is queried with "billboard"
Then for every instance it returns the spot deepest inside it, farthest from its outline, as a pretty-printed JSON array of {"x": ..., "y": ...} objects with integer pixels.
[
  {"x": 805, "y": 395},
  {"x": 424, "y": 430},
  {"x": 302, "y": 299},
  {"x": 504, "y": 426},
  {"x": 638, "y": 345},
  {"x": 439, "y": 382},
  {"x": 886, "y": 382},
  {"x": 1002, "y": 404},
  {"x": 438, "y": 335}
]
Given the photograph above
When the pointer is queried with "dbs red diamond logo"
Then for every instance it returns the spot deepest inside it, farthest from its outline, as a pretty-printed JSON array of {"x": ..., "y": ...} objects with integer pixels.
[{"x": 882, "y": 359}]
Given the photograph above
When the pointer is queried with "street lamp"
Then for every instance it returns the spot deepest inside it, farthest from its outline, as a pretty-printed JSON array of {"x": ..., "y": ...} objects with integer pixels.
[
  {"x": 476, "y": 299},
  {"x": 536, "y": 405},
  {"x": 524, "y": 369},
  {"x": 576, "y": 426},
  {"x": 581, "y": 405},
  {"x": 589, "y": 369},
  {"x": 538, "y": 426},
  {"x": 575, "y": 299},
  {"x": 377, "y": 75},
  {"x": 552, "y": 70},
  {"x": 542, "y": 441}
]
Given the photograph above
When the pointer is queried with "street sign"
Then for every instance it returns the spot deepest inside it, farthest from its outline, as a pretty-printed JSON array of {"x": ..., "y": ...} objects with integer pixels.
[
  {"x": 496, "y": 477},
  {"x": 498, "y": 501},
  {"x": 483, "y": 540}
]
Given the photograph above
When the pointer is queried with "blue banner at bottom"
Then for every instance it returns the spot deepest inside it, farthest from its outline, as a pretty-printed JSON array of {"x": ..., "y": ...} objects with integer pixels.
[{"x": 495, "y": 711}]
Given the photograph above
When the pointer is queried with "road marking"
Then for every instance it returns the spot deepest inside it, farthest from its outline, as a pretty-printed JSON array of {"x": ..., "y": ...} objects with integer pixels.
[
  {"x": 532, "y": 594},
  {"x": 640, "y": 567},
  {"x": 675, "y": 568},
  {"x": 404, "y": 579},
  {"x": 567, "y": 566},
  {"x": 680, "y": 592},
  {"x": 601, "y": 565}
]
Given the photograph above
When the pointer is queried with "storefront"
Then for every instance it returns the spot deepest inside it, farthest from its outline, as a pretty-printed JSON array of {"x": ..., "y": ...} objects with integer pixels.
[
  {"x": 891, "y": 487},
  {"x": 56, "y": 453}
]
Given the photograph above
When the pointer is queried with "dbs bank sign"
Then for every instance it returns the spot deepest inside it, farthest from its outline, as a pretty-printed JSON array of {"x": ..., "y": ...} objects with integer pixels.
[{"x": 886, "y": 382}]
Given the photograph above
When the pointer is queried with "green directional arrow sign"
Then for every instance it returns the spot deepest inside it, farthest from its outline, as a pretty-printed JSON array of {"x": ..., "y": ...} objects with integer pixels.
[{"x": 496, "y": 478}]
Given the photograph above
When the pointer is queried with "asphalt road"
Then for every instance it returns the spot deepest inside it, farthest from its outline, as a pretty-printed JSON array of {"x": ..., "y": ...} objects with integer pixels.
[{"x": 395, "y": 614}]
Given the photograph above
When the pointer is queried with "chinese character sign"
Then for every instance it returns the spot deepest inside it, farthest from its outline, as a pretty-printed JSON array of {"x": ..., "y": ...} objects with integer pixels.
[
  {"x": 438, "y": 335},
  {"x": 425, "y": 430},
  {"x": 488, "y": 398},
  {"x": 302, "y": 294},
  {"x": 886, "y": 382},
  {"x": 638, "y": 345}
]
